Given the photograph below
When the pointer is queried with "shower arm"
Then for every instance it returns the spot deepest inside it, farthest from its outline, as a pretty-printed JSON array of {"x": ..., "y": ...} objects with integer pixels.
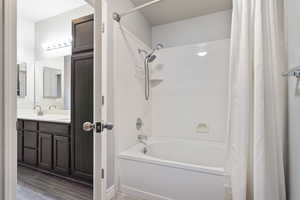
[{"x": 118, "y": 16}]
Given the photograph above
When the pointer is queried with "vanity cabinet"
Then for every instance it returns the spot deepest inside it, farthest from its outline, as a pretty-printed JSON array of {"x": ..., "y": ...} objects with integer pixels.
[
  {"x": 45, "y": 146},
  {"x": 82, "y": 95}
]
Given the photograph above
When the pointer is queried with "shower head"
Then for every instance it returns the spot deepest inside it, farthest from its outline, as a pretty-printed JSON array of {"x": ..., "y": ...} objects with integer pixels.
[
  {"x": 151, "y": 58},
  {"x": 159, "y": 46}
]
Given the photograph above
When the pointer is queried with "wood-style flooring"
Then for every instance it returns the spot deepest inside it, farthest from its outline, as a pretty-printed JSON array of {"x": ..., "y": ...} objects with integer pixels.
[{"x": 33, "y": 185}]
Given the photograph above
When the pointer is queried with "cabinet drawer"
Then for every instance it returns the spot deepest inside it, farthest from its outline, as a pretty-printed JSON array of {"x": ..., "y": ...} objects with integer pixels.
[
  {"x": 30, "y": 125},
  {"x": 30, "y": 139},
  {"x": 30, "y": 156},
  {"x": 61, "y": 129}
]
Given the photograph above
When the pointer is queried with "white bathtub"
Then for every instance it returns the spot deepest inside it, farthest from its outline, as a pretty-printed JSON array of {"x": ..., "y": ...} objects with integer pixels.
[{"x": 174, "y": 170}]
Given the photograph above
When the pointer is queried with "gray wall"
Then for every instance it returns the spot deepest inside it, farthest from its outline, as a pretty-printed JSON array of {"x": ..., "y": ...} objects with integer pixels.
[{"x": 293, "y": 14}]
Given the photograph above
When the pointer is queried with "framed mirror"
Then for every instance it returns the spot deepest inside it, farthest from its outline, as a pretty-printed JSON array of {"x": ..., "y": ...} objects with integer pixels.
[
  {"x": 52, "y": 83},
  {"x": 22, "y": 80}
]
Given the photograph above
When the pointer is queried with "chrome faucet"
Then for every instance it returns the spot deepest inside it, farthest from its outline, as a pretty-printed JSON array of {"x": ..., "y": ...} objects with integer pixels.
[
  {"x": 52, "y": 107},
  {"x": 142, "y": 139},
  {"x": 40, "y": 111}
]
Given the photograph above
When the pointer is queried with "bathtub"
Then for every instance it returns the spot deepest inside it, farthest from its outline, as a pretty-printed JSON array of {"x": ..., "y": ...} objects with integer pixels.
[{"x": 174, "y": 169}]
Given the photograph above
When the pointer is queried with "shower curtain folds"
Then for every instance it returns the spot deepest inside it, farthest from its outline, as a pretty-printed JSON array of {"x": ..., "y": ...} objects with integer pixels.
[{"x": 257, "y": 123}]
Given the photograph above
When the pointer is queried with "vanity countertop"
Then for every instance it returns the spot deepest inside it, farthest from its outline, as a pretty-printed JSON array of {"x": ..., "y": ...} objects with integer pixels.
[{"x": 46, "y": 118}]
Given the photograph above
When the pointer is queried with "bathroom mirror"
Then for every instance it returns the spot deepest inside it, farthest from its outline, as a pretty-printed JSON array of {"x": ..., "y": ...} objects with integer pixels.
[
  {"x": 52, "y": 82},
  {"x": 22, "y": 80}
]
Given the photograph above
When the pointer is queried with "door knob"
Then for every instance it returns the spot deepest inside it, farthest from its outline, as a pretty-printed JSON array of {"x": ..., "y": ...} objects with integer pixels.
[{"x": 99, "y": 126}]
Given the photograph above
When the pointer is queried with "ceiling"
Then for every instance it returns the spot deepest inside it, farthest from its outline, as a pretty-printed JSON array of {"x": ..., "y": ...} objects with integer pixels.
[
  {"x": 36, "y": 10},
  {"x": 168, "y": 11}
]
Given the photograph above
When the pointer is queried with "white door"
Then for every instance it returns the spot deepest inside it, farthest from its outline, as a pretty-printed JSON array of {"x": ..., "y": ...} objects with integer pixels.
[{"x": 99, "y": 125}]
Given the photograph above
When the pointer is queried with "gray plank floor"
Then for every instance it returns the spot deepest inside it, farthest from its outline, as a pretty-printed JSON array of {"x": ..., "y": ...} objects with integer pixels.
[{"x": 33, "y": 185}]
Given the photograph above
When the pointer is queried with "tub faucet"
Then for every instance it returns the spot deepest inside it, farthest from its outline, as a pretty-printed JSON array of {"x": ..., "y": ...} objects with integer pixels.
[{"x": 142, "y": 139}]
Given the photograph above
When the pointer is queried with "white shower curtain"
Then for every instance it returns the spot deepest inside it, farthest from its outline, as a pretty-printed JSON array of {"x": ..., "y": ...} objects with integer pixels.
[{"x": 258, "y": 101}]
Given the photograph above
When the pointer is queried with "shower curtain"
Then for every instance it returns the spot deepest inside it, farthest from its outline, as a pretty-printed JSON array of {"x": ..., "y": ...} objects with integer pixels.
[{"x": 257, "y": 101}]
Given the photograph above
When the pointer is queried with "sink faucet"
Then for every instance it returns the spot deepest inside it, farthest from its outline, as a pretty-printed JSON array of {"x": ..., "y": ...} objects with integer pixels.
[
  {"x": 52, "y": 107},
  {"x": 40, "y": 111}
]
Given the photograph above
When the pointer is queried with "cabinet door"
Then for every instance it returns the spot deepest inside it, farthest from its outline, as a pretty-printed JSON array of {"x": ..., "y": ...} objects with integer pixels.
[
  {"x": 20, "y": 146},
  {"x": 30, "y": 139},
  {"x": 83, "y": 34},
  {"x": 30, "y": 156},
  {"x": 82, "y": 111},
  {"x": 61, "y": 156},
  {"x": 45, "y": 151}
]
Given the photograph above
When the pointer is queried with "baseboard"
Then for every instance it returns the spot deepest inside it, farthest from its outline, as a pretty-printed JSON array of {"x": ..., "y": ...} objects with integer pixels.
[
  {"x": 110, "y": 193},
  {"x": 141, "y": 194}
]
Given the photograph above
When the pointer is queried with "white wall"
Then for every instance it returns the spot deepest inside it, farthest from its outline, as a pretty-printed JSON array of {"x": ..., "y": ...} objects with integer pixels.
[
  {"x": 205, "y": 28},
  {"x": 136, "y": 22},
  {"x": 129, "y": 100},
  {"x": 193, "y": 91},
  {"x": 26, "y": 54},
  {"x": 57, "y": 28},
  {"x": 293, "y": 7},
  {"x": 141, "y": 28}
]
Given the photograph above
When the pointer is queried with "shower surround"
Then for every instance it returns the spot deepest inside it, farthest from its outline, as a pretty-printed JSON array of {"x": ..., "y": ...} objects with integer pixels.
[{"x": 189, "y": 86}]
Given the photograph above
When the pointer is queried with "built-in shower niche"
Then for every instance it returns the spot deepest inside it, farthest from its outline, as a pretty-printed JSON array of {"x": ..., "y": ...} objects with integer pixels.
[{"x": 156, "y": 74}]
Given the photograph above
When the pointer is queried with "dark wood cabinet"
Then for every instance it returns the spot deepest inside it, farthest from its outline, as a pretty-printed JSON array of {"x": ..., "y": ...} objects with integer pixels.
[
  {"x": 83, "y": 34},
  {"x": 82, "y": 98},
  {"x": 30, "y": 156},
  {"x": 45, "y": 146},
  {"x": 61, "y": 155},
  {"x": 30, "y": 139},
  {"x": 45, "y": 151},
  {"x": 20, "y": 145}
]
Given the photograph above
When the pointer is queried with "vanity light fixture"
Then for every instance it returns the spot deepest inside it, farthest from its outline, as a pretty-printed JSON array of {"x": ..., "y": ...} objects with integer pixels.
[
  {"x": 57, "y": 45},
  {"x": 202, "y": 53}
]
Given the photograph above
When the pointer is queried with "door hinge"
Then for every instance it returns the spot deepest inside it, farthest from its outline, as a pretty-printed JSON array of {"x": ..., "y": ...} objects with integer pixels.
[
  {"x": 102, "y": 100},
  {"x": 102, "y": 173},
  {"x": 102, "y": 27}
]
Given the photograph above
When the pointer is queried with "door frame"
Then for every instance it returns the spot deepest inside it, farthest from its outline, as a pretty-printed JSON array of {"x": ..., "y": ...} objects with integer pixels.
[
  {"x": 10, "y": 98},
  {"x": 9, "y": 7}
]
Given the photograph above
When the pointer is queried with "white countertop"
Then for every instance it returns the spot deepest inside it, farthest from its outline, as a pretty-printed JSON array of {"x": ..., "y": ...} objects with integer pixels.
[{"x": 57, "y": 118}]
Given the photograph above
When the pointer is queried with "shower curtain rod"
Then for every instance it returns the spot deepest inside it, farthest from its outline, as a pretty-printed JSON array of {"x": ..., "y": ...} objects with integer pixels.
[{"x": 117, "y": 16}]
